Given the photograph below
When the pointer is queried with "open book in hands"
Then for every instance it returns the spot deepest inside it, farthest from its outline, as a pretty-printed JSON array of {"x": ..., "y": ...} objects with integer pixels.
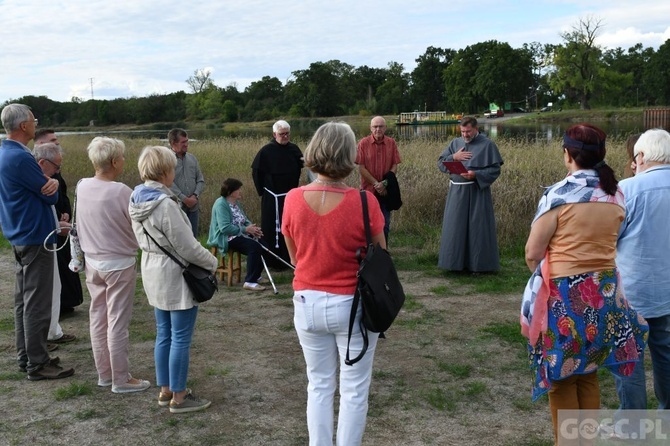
[{"x": 455, "y": 167}]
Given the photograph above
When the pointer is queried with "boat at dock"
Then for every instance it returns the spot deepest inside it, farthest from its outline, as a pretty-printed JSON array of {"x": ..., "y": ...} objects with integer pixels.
[{"x": 427, "y": 118}]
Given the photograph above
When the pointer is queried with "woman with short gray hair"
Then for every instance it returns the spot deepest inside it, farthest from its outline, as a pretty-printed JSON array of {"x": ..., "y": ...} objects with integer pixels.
[{"x": 323, "y": 227}]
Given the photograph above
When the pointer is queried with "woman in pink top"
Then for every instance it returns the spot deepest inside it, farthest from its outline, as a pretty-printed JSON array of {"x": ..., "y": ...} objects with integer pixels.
[
  {"x": 110, "y": 249},
  {"x": 323, "y": 227}
]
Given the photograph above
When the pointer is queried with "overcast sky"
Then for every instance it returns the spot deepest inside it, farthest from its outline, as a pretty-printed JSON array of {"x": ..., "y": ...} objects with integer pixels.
[{"x": 139, "y": 47}]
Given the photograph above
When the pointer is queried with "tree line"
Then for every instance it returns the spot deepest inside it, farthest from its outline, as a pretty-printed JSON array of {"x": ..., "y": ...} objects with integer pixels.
[{"x": 577, "y": 73}]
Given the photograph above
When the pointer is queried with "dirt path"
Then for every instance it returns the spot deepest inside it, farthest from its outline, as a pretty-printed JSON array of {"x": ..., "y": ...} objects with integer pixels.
[{"x": 439, "y": 378}]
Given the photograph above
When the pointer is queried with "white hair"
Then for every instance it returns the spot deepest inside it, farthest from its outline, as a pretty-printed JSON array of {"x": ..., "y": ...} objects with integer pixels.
[
  {"x": 655, "y": 144},
  {"x": 281, "y": 124}
]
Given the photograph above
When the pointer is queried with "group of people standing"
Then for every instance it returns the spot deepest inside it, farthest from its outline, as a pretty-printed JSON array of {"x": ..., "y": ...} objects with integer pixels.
[
  {"x": 599, "y": 290},
  {"x": 588, "y": 232}
]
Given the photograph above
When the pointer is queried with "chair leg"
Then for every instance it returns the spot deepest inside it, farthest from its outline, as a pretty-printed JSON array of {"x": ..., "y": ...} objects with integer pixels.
[
  {"x": 229, "y": 267},
  {"x": 220, "y": 269}
]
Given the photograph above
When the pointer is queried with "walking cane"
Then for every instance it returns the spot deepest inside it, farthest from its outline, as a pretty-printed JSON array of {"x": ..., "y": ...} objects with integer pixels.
[
  {"x": 267, "y": 271},
  {"x": 265, "y": 248}
]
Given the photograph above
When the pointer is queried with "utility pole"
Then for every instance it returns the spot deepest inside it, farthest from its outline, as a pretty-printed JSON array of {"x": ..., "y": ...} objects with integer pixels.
[{"x": 91, "y": 79}]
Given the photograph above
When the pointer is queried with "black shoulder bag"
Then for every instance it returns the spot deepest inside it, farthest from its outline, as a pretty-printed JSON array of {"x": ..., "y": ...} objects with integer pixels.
[
  {"x": 201, "y": 282},
  {"x": 378, "y": 288}
]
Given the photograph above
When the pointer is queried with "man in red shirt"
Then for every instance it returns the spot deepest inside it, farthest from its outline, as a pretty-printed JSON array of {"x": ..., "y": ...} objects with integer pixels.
[{"x": 378, "y": 155}]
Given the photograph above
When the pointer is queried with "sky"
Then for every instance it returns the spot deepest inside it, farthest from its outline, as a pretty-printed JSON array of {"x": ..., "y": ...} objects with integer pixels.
[{"x": 124, "y": 48}]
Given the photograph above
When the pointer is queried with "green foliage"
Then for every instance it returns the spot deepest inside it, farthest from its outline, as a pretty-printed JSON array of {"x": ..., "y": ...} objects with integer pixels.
[
  {"x": 508, "y": 332},
  {"x": 72, "y": 390},
  {"x": 457, "y": 370},
  {"x": 428, "y": 89},
  {"x": 657, "y": 76}
]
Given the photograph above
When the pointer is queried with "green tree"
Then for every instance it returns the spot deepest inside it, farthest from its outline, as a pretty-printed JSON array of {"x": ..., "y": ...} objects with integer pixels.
[
  {"x": 316, "y": 91},
  {"x": 200, "y": 81},
  {"x": 541, "y": 56},
  {"x": 578, "y": 63},
  {"x": 503, "y": 74},
  {"x": 487, "y": 72},
  {"x": 261, "y": 97},
  {"x": 393, "y": 95},
  {"x": 230, "y": 111},
  {"x": 656, "y": 77},
  {"x": 629, "y": 68},
  {"x": 363, "y": 83},
  {"x": 427, "y": 89}
]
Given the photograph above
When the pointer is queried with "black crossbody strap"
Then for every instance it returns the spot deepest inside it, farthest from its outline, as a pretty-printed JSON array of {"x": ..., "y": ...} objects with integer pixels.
[
  {"x": 357, "y": 294},
  {"x": 167, "y": 253}
]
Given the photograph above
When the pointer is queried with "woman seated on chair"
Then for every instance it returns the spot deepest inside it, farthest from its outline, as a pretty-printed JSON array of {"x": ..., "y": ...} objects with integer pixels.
[{"x": 230, "y": 228}]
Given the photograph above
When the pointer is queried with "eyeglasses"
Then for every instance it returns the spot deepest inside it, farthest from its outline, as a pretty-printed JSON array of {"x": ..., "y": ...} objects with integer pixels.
[
  {"x": 284, "y": 134},
  {"x": 35, "y": 121},
  {"x": 57, "y": 166}
]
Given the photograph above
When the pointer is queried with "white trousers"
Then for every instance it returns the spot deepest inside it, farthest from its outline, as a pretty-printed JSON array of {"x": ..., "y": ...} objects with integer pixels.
[
  {"x": 322, "y": 322},
  {"x": 55, "y": 330}
]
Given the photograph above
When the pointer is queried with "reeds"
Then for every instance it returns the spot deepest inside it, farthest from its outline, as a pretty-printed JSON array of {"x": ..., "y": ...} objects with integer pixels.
[{"x": 529, "y": 166}]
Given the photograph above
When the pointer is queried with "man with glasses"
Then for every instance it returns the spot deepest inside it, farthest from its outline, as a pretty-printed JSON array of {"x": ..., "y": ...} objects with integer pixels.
[
  {"x": 276, "y": 170},
  {"x": 49, "y": 157},
  {"x": 26, "y": 199},
  {"x": 643, "y": 262},
  {"x": 71, "y": 294},
  {"x": 378, "y": 158}
]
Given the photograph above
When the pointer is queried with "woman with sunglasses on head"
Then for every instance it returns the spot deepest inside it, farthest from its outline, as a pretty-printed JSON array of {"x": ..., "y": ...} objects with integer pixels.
[{"x": 574, "y": 312}]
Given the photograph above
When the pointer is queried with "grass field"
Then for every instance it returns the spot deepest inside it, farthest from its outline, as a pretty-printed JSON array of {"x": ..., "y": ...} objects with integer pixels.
[
  {"x": 528, "y": 166},
  {"x": 453, "y": 370}
]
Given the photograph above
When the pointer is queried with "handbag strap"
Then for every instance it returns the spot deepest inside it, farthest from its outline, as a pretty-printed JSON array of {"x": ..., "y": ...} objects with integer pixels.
[
  {"x": 366, "y": 218},
  {"x": 357, "y": 294},
  {"x": 167, "y": 253}
]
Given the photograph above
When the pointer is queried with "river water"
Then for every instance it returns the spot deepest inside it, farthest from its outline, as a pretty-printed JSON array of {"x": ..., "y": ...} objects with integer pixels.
[{"x": 493, "y": 128}]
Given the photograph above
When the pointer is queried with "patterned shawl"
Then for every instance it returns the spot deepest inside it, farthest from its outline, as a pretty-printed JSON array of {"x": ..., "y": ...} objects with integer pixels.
[{"x": 582, "y": 186}]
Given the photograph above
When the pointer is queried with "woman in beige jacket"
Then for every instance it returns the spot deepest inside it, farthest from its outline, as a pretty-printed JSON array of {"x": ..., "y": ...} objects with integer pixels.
[{"x": 155, "y": 209}]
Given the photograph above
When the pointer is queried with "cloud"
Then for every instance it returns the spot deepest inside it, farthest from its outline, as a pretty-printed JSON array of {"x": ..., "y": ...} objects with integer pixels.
[{"x": 135, "y": 48}]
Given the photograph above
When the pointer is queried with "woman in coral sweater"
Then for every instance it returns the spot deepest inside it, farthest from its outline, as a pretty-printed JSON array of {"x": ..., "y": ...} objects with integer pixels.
[{"x": 323, "y": 227}]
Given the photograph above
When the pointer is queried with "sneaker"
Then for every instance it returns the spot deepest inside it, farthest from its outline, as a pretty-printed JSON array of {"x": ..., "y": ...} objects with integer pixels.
[
  {"x": 133, "y": 385},
  {"x": 50, "y": 371},
  {"x": 51, "y": 346},
  {"x": 253, "y": 286},
  {"x": 64, "y": 339},
  {"x": 164, "y": 398},
  {"x": 191, "y": 403},
  {"x": 104, "y": 382}
]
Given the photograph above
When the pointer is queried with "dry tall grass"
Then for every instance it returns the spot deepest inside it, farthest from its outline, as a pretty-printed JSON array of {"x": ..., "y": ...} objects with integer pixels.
[{"x": 528, "y": 166}]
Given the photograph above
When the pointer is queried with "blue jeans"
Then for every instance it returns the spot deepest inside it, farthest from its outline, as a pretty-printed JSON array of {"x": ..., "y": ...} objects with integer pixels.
[
  {"x": 632, "y": 389},
  {"x": 193, "y": 218},
  {"x": 322, "y": 322},
  {"x": 174, "y": 331},
  {"x": 387, "y": 218}
]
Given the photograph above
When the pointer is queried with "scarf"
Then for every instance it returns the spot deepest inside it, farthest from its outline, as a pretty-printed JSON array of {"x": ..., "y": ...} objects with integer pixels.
[{"x": 582, "y": 186}]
